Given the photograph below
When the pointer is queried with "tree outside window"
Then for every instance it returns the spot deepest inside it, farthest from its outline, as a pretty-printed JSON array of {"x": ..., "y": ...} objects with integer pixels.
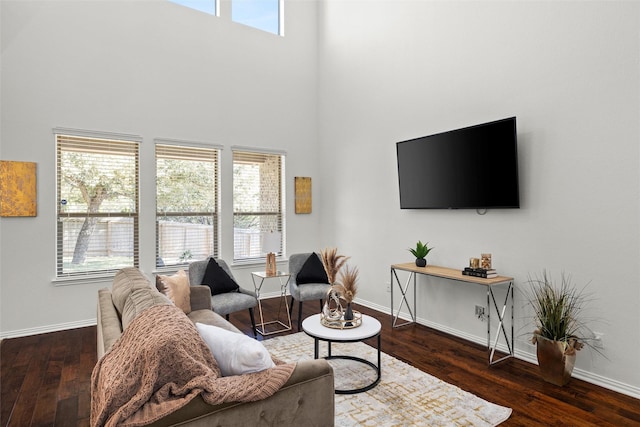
[
  {"x": 186, "y": 203},
  {"x": 97, "y": 186}
]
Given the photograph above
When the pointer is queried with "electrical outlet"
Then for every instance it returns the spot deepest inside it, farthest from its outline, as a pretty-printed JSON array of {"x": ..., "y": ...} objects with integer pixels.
[
  {"x": 480, "y": 312},
  {"x": 597, "y": 340}
]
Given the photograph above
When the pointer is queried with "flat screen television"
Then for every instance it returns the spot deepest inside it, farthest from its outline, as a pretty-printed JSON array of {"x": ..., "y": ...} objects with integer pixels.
[{"x": 475, "y": 167}]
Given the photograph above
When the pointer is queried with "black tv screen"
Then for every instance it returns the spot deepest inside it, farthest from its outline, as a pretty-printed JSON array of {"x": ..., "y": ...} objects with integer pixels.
[{"x": 470, "y": 168}]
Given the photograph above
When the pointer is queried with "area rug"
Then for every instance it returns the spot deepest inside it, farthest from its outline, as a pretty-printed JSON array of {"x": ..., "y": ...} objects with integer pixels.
[{"x": 405, "y": 395}]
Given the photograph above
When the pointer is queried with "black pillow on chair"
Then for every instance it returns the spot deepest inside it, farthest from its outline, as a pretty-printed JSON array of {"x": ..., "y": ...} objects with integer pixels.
[
  {"x": 218, "y": 279},
  {"x": 312, "y": 271}
]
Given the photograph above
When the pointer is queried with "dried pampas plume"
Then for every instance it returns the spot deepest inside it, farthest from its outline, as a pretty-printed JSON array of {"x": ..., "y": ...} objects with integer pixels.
[
  {"x": 349, "y": 279},
  {"x": 332, "y": 262}
]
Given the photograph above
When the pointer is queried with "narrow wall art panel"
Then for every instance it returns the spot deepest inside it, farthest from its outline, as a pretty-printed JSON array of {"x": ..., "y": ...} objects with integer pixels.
[{"x": 303, "y": 194}]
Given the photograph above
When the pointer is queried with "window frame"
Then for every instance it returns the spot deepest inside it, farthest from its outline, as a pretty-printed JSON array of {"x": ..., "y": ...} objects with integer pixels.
[
  {"x": 195, "y": 147},
  {"x": 280, "y": 213},
  {"x": 96, "y": 141}
]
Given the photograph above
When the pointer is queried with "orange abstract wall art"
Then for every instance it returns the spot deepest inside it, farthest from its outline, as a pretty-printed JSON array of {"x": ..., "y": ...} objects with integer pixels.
[{"x": 17, "y": 189}]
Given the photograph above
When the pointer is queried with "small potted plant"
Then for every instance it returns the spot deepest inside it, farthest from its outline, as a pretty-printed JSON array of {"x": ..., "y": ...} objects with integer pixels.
[
  {"x": 558, "y": 311},
  {"x": 420, "y": 252}
]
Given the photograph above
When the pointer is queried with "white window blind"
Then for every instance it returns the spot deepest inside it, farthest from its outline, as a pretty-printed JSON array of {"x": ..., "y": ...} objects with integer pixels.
[
  {"x": 186, "y": 203},
  {"x": 97, "y": 192},
  {"x": 258, "y": 201}
]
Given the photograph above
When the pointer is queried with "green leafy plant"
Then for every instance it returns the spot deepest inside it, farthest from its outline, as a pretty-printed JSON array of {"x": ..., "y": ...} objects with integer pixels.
[
  {"x": 186, "y": 255},
  {"x": 421, "y": 250}
]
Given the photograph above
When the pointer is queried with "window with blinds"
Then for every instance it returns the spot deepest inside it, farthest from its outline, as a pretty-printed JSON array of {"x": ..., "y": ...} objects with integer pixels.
[
  {"x": 186, "y": 203},
  {"x": 97, "y": 193},
  {"x": 258, "y": 202}
]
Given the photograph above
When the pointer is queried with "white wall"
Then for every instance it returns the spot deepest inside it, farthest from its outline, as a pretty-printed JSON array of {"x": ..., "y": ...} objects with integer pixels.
[
  {"x": 395, "y": 70},
  {"x": 387, "y": 71},
  {"x": 154, "y": 69}
]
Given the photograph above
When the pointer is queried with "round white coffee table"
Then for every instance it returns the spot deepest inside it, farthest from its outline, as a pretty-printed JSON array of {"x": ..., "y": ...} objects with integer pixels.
[{"x": 369, "y": 328}]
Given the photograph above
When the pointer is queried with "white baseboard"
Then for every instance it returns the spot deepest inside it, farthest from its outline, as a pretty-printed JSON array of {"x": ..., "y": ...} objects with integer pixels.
[
  {"x": 581, "y": 374},
  {"x": 587, "y": 376},
  {"x": 48, "y": 328},
  {"x": 79, "y": 324},
  {"x": 607, "y": 383}
]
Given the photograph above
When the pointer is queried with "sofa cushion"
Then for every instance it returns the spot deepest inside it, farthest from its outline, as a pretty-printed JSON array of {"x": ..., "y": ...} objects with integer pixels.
[
  {"x": 177, "y": 288},
  {"x": 124, "y": 282},
  {"x": 235, "y": 353},
  {"x": 109, "y": 326},
  {"x": 139, "y": 300},
  {"x": 210, "y": 317},
  {"x": 312, "y": 271},
  {"x": 217, "y": 279}
]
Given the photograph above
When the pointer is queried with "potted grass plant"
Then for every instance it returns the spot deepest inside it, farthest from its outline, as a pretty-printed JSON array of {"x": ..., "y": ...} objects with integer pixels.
[
  {"x": 559, "y": 314},
  {"x": 420, "y": 252}
]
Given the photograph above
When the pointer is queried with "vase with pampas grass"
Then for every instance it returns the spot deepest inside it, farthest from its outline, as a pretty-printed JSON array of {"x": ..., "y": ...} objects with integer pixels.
[
  {"x": 344, "y": 285},
  {"x": 349, "y": 280}
]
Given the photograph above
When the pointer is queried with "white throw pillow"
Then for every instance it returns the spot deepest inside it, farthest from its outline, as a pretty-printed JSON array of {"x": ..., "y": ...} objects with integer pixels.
[{"x": 235, "y": 353}]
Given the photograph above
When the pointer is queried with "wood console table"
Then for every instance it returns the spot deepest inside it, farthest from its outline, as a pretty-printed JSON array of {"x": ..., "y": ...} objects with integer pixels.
[{"x": 456, "y": 274}]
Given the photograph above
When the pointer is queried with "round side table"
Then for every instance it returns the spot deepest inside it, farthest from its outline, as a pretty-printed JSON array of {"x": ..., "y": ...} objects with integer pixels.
[{"x": 369, "y": 328}]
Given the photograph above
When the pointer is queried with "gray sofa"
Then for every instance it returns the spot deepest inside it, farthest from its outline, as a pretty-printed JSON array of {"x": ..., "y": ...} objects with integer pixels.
[{"x": 307, "y": 398}]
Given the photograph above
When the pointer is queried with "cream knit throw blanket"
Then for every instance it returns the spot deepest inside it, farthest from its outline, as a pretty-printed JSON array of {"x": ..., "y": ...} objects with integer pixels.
[{"x": 160, "y": 364}]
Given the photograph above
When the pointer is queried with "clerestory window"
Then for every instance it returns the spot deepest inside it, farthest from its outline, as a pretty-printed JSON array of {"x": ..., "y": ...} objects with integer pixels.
[
  {"x": 265, "y": 15},
  {"x": 207, "y": 6}
]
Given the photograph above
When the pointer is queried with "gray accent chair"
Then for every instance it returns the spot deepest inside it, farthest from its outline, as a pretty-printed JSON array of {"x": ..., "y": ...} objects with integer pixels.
[
  {"x": 229, "y": 302},
  {"x": 307, "y": 291}
]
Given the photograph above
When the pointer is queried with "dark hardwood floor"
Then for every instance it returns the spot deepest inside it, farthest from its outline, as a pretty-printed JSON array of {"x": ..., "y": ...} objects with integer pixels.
[{"x": 45, "y": 379}]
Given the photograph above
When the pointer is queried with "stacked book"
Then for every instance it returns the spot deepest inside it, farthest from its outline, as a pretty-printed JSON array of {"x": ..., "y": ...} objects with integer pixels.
[{"x": 480, "y": 272}]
